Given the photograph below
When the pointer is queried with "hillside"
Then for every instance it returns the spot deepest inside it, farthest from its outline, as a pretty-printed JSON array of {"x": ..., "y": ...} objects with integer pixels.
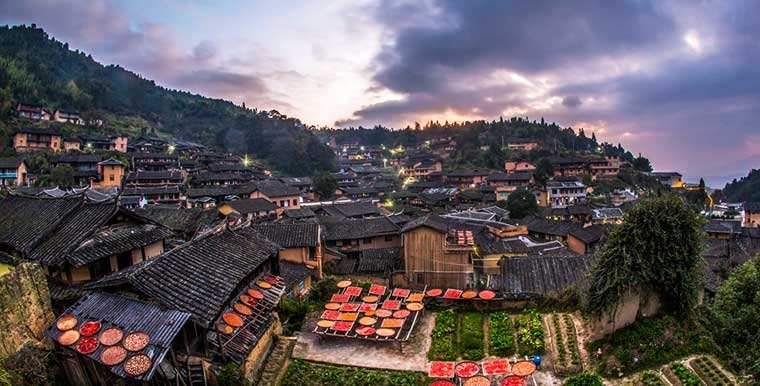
[
  {"x": 745, "y": 189},
  {"x": 37, "y": 69}
]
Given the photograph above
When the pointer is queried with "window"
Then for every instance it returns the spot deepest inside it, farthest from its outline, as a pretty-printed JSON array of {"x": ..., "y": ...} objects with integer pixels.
[
  {"x": 368, "y": 241},
  {"x": 111, "y": 178},
  {"x": 282, "y": 203},
  {"x": 389, "y": 238}
]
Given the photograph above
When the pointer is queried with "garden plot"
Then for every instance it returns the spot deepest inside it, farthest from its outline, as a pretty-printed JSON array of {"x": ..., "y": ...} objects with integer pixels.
[
  {"x": 457, "y": 335},
  {"x": 565, "y": 354}
]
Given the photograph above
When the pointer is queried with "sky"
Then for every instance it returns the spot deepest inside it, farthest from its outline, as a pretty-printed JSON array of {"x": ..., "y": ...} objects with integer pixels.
[{"x": 678, "y": 81}]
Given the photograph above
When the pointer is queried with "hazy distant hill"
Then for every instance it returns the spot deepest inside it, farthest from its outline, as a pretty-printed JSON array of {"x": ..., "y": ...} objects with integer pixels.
[
  {"x": 745, "y": 189},
  {"x": 37, "y": 69}
]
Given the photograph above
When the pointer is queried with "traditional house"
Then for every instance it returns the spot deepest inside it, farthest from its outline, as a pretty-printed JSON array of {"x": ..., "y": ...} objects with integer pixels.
[
  {"x": 351, "y": 236},
  {"x": 578, "y": 213},
  {"x": 437, "y": 254},
  {"x": 68, "y": 116},
  {"x": 155, "y": 161},
  {"x": 284, "y": 196},
  {"x": 751, "y": 214},
  {"x": 516, "y": 166},
  {"x": 154, "y": 178},
  {"x": 608, "y": 166},
  {"x": 506, "y": 183},
  {"x": 110, "y": 174},
  {"x": 85, "y": 166},
  {"x": 112, "y": 143},
  {"x": 184, "y": 222},
  {"x": 13, "y": 172},
  {"x": 37, "y": 138},
  {"x": 539, "y": 276},
  {"x": 71, "y": 144},
  {"x": 669, "y": 179},
  {"x": 33, "y": 112},
  {"x": 219, "y": 178},
  {"x": 422, "y": 168},
  {"x": 607, "y": 216},
  {"x": 570, "y": 166},
  {"x": 522, "y": 144},
  {"x": 355, "y": 209},
  {"x": 205, "y": 278},
  {"x": 466, "y": 178},
  {"x": 584, "y": 240},
  {"x": 300, "y": 255},
  {"x": 250, "y": 209},
  {"x": 565, "y": 191},
  {"x": 76, "y": 240},
  {"x": 154, "y": 194}
]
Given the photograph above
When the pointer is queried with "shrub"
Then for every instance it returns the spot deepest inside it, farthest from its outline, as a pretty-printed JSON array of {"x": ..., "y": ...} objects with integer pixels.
[
  {"x": 650, "y": 378},
  {"x": 502, "y": 334},
  {"x": 530, "y": 332},
  {"x": 443, "y": 336},
  {"x": 585, "y": 379},
  {"x": 685, "y": 375},
  {"x": 293, "y": 312}
]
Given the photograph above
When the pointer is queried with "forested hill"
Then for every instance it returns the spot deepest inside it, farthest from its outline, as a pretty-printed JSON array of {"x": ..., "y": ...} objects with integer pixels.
[
  {"x": 37, "y": 69},
  {"x": 746, "y": 189}
]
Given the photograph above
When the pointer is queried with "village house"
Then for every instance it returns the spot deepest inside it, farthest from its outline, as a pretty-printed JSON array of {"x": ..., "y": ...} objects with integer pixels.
[
  {"x": 565, "y": 191},
  {"x": 185, "y": 223},
  {"x": 250, "y": 209},
  {"x": 219, "y": 178},
  {"x": 607, "y": 216},
  {"x": 136, "y": 196},
  {"x": 68, "y": 116},
  {"x": 33, "y": 112},
  {"x": 13, "y": 172},
  {"x": 355, "y": 209},
  {"x": 522, "y": 144},
  {"x": 584, "y": 240},
  {"x": 669, "y": 179},
  {"x": 516, "y": 166},
  {"x": 578, "y": 213},
  {"x": 155, "y": 161},
  {"x": 37, "y": 138},
  {"x": 547, "y": 275},
  {"x": 506, "y": 183},
  {"x": 349, "y": 237},
  {"x": 751, "y": 214},
  {"x": 492, "y": 250},
  {"x": 300, "y": 255},
  {"x": 154, "y": 178},
  {"x": 71, "y": 144},
  {"x": 608, "y": 166},
  {"x": 284, "y": 196},
  {"x": 570, "y": 166},
  {"x": 466, "y": 178},
  {"x": 110, "y": 174},
  {"x": 112, "y": 143},
  {"x": 437, "y": 254},
  {"x": 85, "y": 166},
  {"x": 422, "y": 168},
  {"x": 77, "y": 240},
  {"x": 200, "y": 281}
]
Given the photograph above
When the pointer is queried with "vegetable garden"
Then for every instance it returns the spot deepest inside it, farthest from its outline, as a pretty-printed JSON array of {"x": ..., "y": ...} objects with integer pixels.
[
  {"x": 565, "y": 351},
  {"x": 301, "y": 372},
  {"x": 457, "y": 335}
]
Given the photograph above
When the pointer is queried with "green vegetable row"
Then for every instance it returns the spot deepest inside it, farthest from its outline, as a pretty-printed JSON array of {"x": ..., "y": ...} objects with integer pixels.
[
  {"x": 301, "y": 373},
  {"x": 502, "y": 334}
]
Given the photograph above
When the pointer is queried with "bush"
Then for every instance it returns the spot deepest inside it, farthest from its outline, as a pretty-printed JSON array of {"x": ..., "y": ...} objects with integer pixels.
[
  {"x": 322, "y": 291},
  {"x": 443, "y": 337},
  {"x": 650, "y": 378},
  {"x": 293, "y": 313},
  {"x": 300, "y": 373},
  {"x": 502, "y": 334},
  {"x": 471, "y": 336},
  {"x": 685, "y": 375},
  {"x": 31, "y": 366},
  {"x": 585, "y": 379},
  {"x": 230, "y": 375},
  {"x": 530, "y": 332}
]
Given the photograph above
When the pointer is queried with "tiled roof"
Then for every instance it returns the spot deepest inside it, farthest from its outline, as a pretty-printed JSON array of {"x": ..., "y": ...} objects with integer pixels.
[
  {"x": 73, "y": 230},
  {"x": 26, "y": 220},
  {"x": 290, "y": 235},
  {"x": 37, "y": 130},
  {"x": 144, "y": 175},
  {"x": 293, "y": 273},
  {"x": 349, "y": 229},
  {"x": 221, "y": 191},
  {"x": 274, "y": 188},
  {"x": 382, "y": 260},
  {"x": 117, "y": 239},
  {"x": 218, "y": 176},
  {"x": 352, "y": 209},
  {"x": 589, "y": 234},
  {"x": 201, "y": 276},
  {"x": 179, "y": 219},
  {"x": 554, "y": 228},
  {"x": 154, "y": 156},
  {"x": 753, "y": 207},
  {"x": 252, "y": 205},
  {"x": 299, "y": 213},
  {"x": 519, "y": 176},
  {"x": 149, "y": 190},
  {"x": 538, "y": 276},
  {"x": 77, "y": 158},
  {"x": 10, "y": 162},
  {"x": 432, "y": 221}
]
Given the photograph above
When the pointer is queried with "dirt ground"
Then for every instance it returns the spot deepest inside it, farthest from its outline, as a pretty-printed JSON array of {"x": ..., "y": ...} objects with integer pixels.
[{"x": 382, "y": 355}]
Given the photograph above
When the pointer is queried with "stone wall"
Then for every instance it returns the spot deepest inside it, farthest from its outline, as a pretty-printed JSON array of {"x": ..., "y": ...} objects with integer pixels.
[
  {"x": 25, "y": 308},
  {"x": 635, "y": 303}
]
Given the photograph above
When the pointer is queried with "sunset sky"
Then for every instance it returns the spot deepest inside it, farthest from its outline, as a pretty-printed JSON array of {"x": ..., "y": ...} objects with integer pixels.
[{"x": 677, "y": 81}]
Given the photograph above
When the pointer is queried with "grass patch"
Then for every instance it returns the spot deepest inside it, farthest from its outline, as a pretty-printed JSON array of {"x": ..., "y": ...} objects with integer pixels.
[
  {"x": 443, "y": 337},
  {"x": 471, "y": 336},
  {"x": 650, "y": 343},
  {"x": 301, "y": 373},
  {"x": 502, "y": 334}
]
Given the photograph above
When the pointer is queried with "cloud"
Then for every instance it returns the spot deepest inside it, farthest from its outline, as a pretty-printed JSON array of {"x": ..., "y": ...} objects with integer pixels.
[{"x": 571, "y": 101}]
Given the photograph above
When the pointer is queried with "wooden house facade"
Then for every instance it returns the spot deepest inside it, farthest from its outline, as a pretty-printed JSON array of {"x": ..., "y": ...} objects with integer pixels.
[{"x": 431, "y": 258}]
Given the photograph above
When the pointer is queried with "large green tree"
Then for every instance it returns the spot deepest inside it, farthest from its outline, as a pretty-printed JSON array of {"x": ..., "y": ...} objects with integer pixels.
[
  {"x": 658, "y": 248},
  {"x": 521, "y": 203},
  {"x": 325, "y": 185},
  {"x": 736, "y": 317}
]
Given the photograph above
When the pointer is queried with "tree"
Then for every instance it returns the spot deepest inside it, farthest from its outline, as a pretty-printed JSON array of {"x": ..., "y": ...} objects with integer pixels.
[
  {"x": 657, "y": 247},
  {"x": 544, "y": 170},
  {"x": 61, "y": 175},
  {"x": 735, "y": 317},
  {"x": 641, "y": 164},
  {"x": 585, "y": 379},
  {"x": 520, "y": 203},
  {"x": 325, "y": 185}
]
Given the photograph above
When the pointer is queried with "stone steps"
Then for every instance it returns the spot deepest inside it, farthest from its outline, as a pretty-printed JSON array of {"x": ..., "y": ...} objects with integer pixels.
[{"x": 275, "y": 363}]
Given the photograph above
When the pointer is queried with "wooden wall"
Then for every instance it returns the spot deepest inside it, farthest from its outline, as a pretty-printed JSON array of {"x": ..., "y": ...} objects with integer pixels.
[{"x": 428, "y": 262}]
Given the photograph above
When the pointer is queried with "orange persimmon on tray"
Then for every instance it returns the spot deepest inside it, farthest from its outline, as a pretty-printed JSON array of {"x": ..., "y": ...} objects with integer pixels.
[
  {"x": 376, "y": 289},
  {"x": 349, "y": 316},
  {"x": 367, "y": 307},
  {"x": 416, "y": 297},
  {"x": 434, "y": 292},
  {"x": 523, "y": 368},
  {"x": 469, "y": 294},
  {"x": 392, "y": 323},
  {"x": 349, "y": 307},
  {"x": 487, "y": 295}
]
